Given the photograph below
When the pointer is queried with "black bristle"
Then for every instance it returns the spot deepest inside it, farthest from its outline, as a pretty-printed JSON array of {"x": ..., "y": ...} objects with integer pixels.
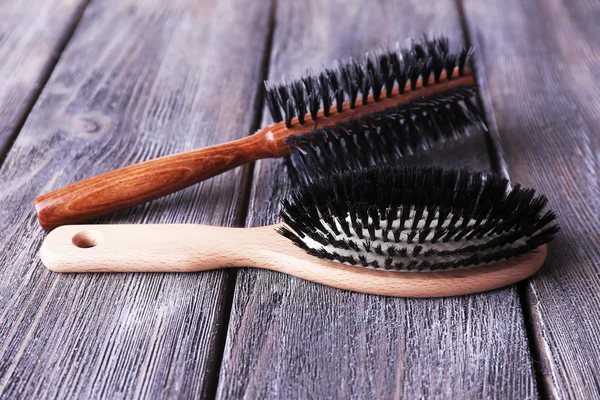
[
  {"x": 363, "y": 260},
  {"x": 397, "y": 232},
  {"x": 358, "y": 229},
  {"x": 399, "y": 266},
  {"x": 376, "y": 78},
  {"x": 426, "y": 72},
  {"x": 299, "y": 100},
  {"x": 415, "y": 73},
  {"x": 499, "y": 223},
  {"x": 350, "y": 83},
  {"x": 289, "y": 113},
  {"x": 410, "y": 236},
  {"x": 371, "y": 230},
  {"x": 443, "y": 44},
  {"x": 423, "y": 234},
  {"x": 313, "y": 90},
  {"x": 362, "y": 81},
  {"x": 416, "y": 250},
  {"x": 450, "y": 62},
  {"x": 271, "y": 98},
  {"x": 324, "y": 91},
  {"x": 385, "y": 232},
  {"x": 392, "y": 251},
  {"x": 388, "y": 263},
  {"x": 387, "y": 73},
  {"x": 283, "y": 96},
  {"x": 464, "y": 59},
  {"x": 419, "y": 49},
  {"x": 336, "y": 88},
  {"x": 400, "y": 71},
  {"x": 284, "y": 231}
]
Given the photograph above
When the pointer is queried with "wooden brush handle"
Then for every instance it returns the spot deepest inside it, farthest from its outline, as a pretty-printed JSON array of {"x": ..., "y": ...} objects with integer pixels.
[
  {"x": 140, "y": 183},
  {"x": 151, "y": 248},
  {"x": 187, "y": 248}
]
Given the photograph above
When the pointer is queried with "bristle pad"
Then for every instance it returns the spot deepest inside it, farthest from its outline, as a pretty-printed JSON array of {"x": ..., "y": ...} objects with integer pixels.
[{"x": 416, "y": 219}]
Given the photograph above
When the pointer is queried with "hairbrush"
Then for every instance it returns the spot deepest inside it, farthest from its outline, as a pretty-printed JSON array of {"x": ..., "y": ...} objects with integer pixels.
[
  {"x": 396, "y": 231},
  {"x": 413, "y": 97}
]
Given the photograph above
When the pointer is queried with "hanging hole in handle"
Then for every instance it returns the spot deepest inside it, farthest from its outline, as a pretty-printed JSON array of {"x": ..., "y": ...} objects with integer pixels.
[{"x": 87, "y": 239}]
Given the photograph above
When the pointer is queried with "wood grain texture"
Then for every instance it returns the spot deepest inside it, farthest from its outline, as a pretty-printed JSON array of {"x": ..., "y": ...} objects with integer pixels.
[
  {"x": 542, "y": 62},
  {"x": 291, "y": 339},
  {"x": 31, "y": 38},
  {"x": 137, "y": 80}
]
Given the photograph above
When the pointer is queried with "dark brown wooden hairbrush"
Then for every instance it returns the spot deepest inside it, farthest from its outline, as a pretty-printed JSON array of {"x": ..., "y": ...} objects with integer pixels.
[{"x": 420, "y": 94}]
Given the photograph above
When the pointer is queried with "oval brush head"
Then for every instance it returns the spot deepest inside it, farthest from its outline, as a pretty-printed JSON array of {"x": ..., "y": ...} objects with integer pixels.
[
  {"x": 416, "y": 219},
  {"x": 406, "y": 231}
]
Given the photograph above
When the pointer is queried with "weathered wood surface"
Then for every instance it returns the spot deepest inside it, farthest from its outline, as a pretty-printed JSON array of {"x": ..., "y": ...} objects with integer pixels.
[
  {"x": 31, "y": 38},
  {"x": 137, "y": 80},
  {"x": 289, "y": 338},
  {"x": 542, "y": 62}
]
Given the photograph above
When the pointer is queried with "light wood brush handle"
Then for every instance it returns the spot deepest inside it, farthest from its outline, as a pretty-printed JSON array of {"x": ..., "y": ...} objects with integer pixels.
[
  {"x": 140, "y": 183},
  {"x": 187, "y": 248}
]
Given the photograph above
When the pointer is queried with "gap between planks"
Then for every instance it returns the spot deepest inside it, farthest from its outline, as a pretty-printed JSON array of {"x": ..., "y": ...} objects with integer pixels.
[
  {"x": 46, "y": 72},
  {"x": 499, "y": 164},
  {"x": 243, "y": 207}
]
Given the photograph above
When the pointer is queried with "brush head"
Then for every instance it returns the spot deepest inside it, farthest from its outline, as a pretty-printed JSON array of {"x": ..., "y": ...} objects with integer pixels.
[
  {"x": 374, "y": 135},
  {"x": 416, "y": 219},
  {"x": 377, "y": 75}
]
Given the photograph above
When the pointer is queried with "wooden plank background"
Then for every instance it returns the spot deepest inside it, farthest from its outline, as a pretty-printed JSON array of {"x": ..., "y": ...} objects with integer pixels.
[
  {"x": 543, "y": 68},
  {"x": 137, "y": 80},
  {"x": 141, "y": 79}
]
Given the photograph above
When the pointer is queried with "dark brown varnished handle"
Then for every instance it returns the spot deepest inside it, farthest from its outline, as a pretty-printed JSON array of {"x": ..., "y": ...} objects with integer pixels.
[{"x": 139, "y": 183}]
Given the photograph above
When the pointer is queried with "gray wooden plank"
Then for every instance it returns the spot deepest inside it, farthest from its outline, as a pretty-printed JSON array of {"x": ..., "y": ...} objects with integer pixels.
[
  {"x": 32, "y": 35},
  {"x": 289, "y": 338},
  {"x": 137, "y": 80},
  {"x": 542, "y": 66}
]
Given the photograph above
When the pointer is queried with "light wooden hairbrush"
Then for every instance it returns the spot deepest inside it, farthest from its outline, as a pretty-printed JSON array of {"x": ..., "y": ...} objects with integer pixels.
[
  {"x": 395, "y": 231},
  {"x": 413, "y": 97}
]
